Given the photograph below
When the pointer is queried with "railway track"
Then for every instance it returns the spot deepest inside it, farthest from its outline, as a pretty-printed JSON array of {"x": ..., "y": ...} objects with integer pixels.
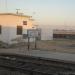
[{"x": 36, "y": 65}]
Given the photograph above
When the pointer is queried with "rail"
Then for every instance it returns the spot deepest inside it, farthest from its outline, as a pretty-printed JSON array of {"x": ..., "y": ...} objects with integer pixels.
[{"x": 36, "y": 65}]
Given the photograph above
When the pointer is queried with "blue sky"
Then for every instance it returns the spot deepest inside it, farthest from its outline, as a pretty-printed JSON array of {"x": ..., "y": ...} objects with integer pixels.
[{"x": 51, "y": 12}]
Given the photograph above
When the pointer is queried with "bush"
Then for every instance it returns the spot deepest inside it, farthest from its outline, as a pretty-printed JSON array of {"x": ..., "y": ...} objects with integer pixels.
[{"x": 3, "y": 45}]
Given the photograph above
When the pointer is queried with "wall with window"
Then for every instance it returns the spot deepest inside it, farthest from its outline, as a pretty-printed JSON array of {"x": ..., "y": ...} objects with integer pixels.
[
  {"x": 64, "y": 36},
  {"x": 14, "y": 26}
]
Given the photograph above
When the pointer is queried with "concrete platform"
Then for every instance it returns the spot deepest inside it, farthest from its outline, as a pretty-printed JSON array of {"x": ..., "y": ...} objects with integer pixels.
[
  {"x": 52, "y": 55},
  {"x": 43, "y": 54}
]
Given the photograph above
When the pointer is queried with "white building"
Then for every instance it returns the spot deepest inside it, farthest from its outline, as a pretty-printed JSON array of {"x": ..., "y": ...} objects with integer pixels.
[
  {"x": 46, "y": 32},
  {"x": 13, "y": 26}
]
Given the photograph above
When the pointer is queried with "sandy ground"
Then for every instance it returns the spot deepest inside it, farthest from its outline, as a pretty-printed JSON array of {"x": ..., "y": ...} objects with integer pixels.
[{"x": 67, "y": 46}]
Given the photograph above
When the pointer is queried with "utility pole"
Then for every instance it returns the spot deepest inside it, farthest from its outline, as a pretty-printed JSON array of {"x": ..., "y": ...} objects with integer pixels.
[
  {"x": 17, "y": 11},
  {"x": 6, "y": 7}
]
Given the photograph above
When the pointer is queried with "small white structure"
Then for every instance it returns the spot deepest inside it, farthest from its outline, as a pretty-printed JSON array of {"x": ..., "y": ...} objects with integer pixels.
[
  {"x": 46, "y": 33},
  {"x": 13, "y": 26}
]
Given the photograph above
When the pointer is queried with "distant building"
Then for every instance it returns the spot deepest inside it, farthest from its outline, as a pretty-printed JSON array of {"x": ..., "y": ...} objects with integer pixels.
[
  {"x": 50, "y": 33},
  {"x": 13, "y": 26},
  {"x": 64, "y": 34}
]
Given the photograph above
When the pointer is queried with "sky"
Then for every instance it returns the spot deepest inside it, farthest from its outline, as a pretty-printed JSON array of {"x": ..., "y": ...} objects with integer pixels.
[{"x": 45, "y": 12}]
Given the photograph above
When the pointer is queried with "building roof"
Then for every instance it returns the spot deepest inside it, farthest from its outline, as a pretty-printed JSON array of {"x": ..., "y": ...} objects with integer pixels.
[
  {"x": 14, "y": 14},
  {"x": 64, "y": 32}
]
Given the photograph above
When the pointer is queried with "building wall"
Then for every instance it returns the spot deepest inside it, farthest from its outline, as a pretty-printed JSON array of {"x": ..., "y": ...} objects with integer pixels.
[
  {"x": 64, "y": 34},
  {"x": 9, "y": 25},
  {"x": 46, "y": 33}
]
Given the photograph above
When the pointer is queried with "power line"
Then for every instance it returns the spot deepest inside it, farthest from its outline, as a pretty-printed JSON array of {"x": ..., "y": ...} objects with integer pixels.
[{"x": 6, "y": 5}]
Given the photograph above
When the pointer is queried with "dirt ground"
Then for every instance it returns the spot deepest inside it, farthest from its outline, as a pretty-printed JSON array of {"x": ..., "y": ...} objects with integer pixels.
[
  {"x": 67, "y": 46},
  {"x": 57, "y": 45}
]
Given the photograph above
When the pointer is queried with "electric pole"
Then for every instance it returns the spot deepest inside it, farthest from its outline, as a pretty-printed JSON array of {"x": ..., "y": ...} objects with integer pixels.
[
  {"x": 17, "y": 11},
  {"x": 6, "y": 5}
]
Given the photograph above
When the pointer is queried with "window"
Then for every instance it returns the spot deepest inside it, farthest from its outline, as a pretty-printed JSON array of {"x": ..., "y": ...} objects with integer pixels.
[
  {"x": 19, "y": 30},
  {"x": 0, "y": 29},
  {"x": 24, "y": 22}
]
